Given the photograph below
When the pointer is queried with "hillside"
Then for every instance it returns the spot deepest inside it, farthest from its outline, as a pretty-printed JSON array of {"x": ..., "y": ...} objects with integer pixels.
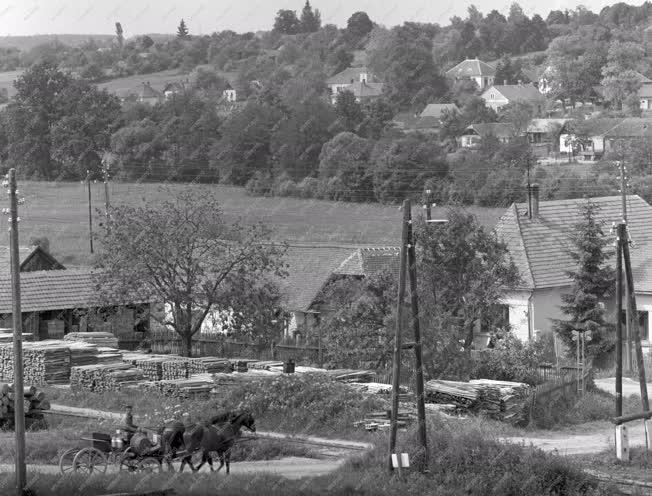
[
  {"x": 28, "y": 42},
  {"x": 59, "y": 211}
]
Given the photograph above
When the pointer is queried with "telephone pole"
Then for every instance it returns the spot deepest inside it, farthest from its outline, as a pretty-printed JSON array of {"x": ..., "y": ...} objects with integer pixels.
[
  {"x": 19, "y": 409},
  {"x": 396, "y": 371},
  {"x": 629, "y": 362},
  {"x": 620, "y": 236},
  {"x": 418, "y": 352},
  {"x": 105, "y": 175},
  {"x": 90, "y": 211}
]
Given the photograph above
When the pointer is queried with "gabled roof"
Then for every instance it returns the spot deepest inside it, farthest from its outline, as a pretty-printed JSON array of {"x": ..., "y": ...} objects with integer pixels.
[
  {"x": 545, "y": 125},
  {"x": 148, "y": 92},
  {"x": 631, "y": 127},
  {"x": 471, "y": 68},
  {"x": 362, "y": 90},
  {"x": 370, "y": 261},
  {"x": 539, "y": 246},
  {"x": 495, "y": 129},
  {"x": 409, "y": 121},
  {"x": 436, "y": 109},
  {"x": 517, "y": 92},
  {"x": 348, "y": 74},
  {"x": 27, "y": 254},
  {"x": 45, "y": 290}
]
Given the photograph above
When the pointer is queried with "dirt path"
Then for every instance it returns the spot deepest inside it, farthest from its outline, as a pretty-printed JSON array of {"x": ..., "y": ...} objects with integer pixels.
[{"x": 290, "y": 468}]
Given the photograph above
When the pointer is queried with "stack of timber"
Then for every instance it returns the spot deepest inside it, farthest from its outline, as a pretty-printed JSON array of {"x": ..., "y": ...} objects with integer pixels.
[
  {"x": 175, "y": 368},
  {"x": 209, "y": 365},
  {"x": 243, "y": 364},
  {"x": 104, "y": 377},
  {"x": 263, "y": 365},
  {"x": 151, "y": 367},
  {"x": 97, "y": 338},
  {"x": 34, "y": 403},
  {"x": 8, "y": 337},
  {"x": 43, "y": 361},
  {"x": 82, "y": 354},
  {"x": 347, "y": 375},
  {"x": 375, "y": 388},
  {"x": 198, "y": 386},
  {"x": 380, "y": 419},
  {"x": 500, "y": 400}
]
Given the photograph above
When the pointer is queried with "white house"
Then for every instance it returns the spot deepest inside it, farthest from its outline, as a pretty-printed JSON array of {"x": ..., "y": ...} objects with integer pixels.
[
  {"x": 586, "y": 138},
  {"x": 499, "y": 95},
  {"x": 476, "y": 70},
  {"x": 538, "y": 242},
  {"x": 358, "y": 80}
]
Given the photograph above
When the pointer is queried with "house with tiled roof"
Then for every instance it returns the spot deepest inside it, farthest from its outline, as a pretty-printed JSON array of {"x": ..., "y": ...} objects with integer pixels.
[
  {"x": 473, "y": 135},
  {"x": 312, "y": 267},
  {"x": 476, "y": 70},
  {"x": 538, "y": 239},
  {"x": 438, "y": 110},
  {"x": 586, "y": 138},
  {"x": 410, "y": 122},
  {"x": 31, "y": 258},
  {"x": 629, "y": 130},
  {"x": 499, "y": 95},
  {"x": 55, "y": 302},
  {"x": 149, "y": 95},
  {"x": 358, "y": 80}
]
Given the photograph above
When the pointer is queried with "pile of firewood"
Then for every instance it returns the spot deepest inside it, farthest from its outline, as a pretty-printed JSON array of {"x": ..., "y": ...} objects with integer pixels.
[
  {"x": 177, "y": 368},
  {"x": 97, "y": 338},
  {"x": 34, "y": 403},
  {"x": 209, "y": 365},
  {"x": 43, "y": 362},
  {"x": 500, "y": 400},
  {"x": 104, "y": 377},
  {"x": 152, "y": 367}
]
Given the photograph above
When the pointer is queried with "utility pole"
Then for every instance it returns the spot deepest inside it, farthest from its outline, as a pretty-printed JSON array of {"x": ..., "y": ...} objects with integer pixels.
[
  {"x": 428, "y": 204},
  {"x": 396, "y": 372},
  {"x": 632, "y": 319},
  {"x": 418, "y": 352},
  {"x": 19, "y": 408},
  {"x": 90, "y": 212},
  {"x": 620, "y": 236},
  {"x": 105, "y": 175},
  {"x": 629, "y": 362}
]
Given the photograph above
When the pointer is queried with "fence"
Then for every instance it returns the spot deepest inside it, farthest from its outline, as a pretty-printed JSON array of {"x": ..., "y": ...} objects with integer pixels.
[{"x": 562, "y": 382}]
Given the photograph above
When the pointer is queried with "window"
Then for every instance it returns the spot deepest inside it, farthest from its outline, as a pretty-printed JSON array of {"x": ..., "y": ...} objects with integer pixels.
[
  {"x": 492, "y": 97},
  {"x": 643, "y": 324}
]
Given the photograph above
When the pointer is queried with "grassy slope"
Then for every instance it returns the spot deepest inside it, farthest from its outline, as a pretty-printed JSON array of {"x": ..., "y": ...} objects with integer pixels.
[{"x": 60, "y": 212}]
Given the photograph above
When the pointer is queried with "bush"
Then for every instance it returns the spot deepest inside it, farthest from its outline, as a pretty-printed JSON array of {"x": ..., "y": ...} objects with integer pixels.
[
  {"x": 309, "y": 187},
  {"x": 260, "y": 184}
]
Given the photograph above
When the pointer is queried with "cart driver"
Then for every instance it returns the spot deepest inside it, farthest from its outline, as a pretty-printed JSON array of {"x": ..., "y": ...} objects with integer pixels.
[{"x": 129, "y": 425}]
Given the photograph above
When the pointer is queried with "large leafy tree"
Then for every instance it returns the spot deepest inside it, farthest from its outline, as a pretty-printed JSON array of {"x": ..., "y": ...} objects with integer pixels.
[
  {"x": 359, "y": 25},
  {"x": 593, "y": 280},
  {"x": 286, "y": 22},
  {"x": 620, "y": 80},
  {"x": 348, "y": 110},
  {"x": 183, "y": 253}
]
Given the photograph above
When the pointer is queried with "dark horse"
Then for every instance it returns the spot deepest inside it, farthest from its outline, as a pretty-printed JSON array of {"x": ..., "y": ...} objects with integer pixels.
[
  {"x": 209, "y": 438},
  {"x": 172, "y": 438}
]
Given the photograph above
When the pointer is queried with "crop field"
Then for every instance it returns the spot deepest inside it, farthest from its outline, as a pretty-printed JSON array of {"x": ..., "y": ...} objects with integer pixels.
[{"x": 59, "y": 211}]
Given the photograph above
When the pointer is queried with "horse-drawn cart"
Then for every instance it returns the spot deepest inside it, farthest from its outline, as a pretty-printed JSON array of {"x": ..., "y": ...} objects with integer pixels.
[{"x": 102, "y": 450}]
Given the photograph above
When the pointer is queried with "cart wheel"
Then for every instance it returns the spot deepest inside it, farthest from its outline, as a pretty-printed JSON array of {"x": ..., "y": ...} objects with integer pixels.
[
  {"x": 128, "y": 461},
  {"x": 65, "y": 461},
  {"x": 150, "y": 465},
  {"x": 89, "y": 461}
]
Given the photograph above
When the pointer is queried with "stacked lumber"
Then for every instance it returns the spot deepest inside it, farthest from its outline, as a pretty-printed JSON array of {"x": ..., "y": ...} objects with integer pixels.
[
  {"x": 264, "y": 365},
  {"x": 375, "y": 388},
  {"x": 194, "y": 387},
  {"x": 380, "y": 419},
  {"x": 8, "y": 337},
  {"x": 97, "y": 338},
  {"x": 104, "y": 377},
  {"x": 82, "y": 354},
  {"x": 348, "y": 375},
  {"x": 458, "y": 393},
  {"x": 151, "y": 367},
  {"x": 209, "y": 365},
  {"x": 46, "y": 363},
  {"x": 242, "y": 364},
  {"x": 175, "y": 368},
  {"x": 34, "y": 403}
]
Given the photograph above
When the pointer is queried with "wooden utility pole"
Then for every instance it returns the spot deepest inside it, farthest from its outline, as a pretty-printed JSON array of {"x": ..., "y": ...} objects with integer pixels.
[
  {"x": 428, "y": 204},
  {"x": 629, "y": 362},
  {"x": 19, "y": 409},
  {"x": 418, "y": 352},
  {"x": 620, "y": 236},
  {"x": 632, "y": 319},
  {"x": 90, "y": 211},
  {"x": 396, "y": 372},
  {"x": 105, "y": 175}
]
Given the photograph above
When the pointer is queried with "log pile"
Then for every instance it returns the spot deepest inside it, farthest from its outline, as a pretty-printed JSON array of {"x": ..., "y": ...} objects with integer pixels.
[
  {"x": 380, "y": 419},
  {"x": 500, "y": 400},
  {"x": 43, "y": 362},
  {"x": 177, "y": 368},
  {"x": 192, "y": 388},
  {"x": 82, "y": 354},
  {"x": 347, "y": 375},
  {"x": 97, "y": 338},
  {"x": 209, "y": 365},
  {"x": 104, "y": 377},
  {"x": 34, "y": 403},
  {"x": 151, "y": 367}
]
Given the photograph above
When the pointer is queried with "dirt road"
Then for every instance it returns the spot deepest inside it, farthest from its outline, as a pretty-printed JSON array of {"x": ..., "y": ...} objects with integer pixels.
[{"x": 290, "y": 468}]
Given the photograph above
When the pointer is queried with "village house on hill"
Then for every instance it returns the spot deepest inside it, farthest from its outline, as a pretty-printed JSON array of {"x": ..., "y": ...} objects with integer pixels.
[
  {"x": 538, "y": 242},
  {"x": 428, "y": 121},
  {"x": 474, "y": 134},
  {"x": 357, "y": 80},
  {"x": 499, "y": 95},
  {"x": 475, "y": 70}
]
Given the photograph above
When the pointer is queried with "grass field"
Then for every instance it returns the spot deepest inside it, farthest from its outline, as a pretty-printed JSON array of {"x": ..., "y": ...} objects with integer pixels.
[{"x": 59, "y": 211}]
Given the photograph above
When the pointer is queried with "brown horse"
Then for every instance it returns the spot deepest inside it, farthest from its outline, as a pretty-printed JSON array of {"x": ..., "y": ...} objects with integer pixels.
[
  {"x": 172, "y": 438},
  {"x": 209, "y": 438}
]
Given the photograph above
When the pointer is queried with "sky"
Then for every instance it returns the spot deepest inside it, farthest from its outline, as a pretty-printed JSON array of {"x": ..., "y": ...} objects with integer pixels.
[{"x": 26, "y": 17}]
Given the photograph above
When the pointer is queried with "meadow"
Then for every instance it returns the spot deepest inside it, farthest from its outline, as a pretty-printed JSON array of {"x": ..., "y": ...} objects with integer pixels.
[{"x": 59, "y": 211}]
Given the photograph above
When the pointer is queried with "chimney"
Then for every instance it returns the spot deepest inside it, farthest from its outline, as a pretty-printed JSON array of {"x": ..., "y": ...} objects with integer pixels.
[{"x": 533, "y": 200}]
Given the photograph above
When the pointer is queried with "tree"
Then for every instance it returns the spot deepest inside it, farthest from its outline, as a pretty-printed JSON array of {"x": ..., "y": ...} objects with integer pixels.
[
  {"x": 348, "y": 111},
  {"x": 620, "y": 79},
  {"x": 359, "y": 330},
  {"x": 41, "y": 241},
  {"x": 146, "y": 41},
  {"x": 519, "y": 114},
  {"x": 182, "y": 31},
  {"x": 119, "y": 34},
  {"x": 286, "y": 22},
  {"x": 359, "y": 25},
  {"x": 182, "y": 252},
  {"x": 310, "y": 20},
  {"x": 464, "y": 272},
  {"x": 344, "y": 164},
  {"x": 593, "y": 280},
  {"x": 378, "y": 113}
]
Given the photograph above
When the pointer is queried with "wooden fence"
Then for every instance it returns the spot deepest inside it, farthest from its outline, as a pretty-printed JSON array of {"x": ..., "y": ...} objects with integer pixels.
[{"x": 562, "y": 382}]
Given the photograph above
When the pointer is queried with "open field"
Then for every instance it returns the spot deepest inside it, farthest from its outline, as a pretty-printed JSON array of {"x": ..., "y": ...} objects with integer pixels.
[
  {"x": 131, "y": 84},
  {"x": 7, "y": 81},
  {"x": 60, "y": 211}
]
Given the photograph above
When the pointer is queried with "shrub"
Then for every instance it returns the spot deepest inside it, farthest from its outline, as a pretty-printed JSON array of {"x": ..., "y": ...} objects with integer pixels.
[
  {"x": 260, "y": 184},
  {"x": 309, "y": 187}
]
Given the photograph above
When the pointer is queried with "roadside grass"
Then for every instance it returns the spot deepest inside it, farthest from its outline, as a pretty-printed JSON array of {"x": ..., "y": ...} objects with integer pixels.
[
  {"x": 59, "y": 211},
  {"x": 461, "y": 461},
  {"x": 638, "y": 468}
]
